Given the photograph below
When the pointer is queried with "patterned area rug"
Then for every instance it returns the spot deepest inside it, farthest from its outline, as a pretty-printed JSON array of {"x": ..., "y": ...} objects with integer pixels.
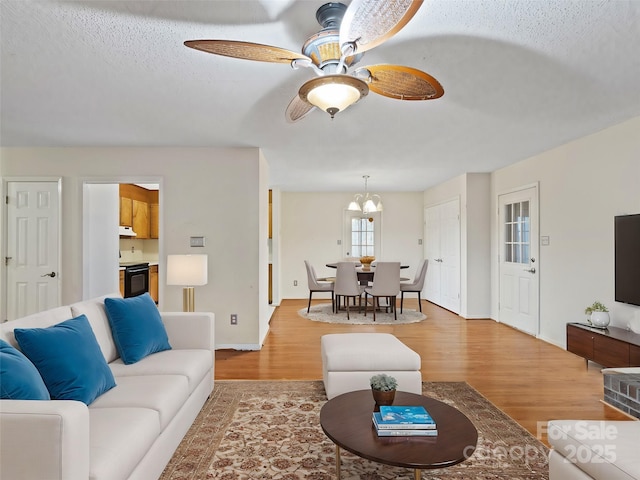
[
  {"x": 323, "y": 312},
  {"x": 271, "y": 430}
]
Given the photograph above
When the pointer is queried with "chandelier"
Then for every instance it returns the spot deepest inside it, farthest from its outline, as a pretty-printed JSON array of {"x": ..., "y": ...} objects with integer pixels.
[{"x": 365, "y": 202}]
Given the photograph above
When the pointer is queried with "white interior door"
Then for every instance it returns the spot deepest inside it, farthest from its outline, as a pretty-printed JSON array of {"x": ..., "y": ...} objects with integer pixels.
[
  {"x": 519, "y": 285},
  {"x": 432, "y": 286},
  {"x": 450, "y": 255},
  {"x": 32, "y": 255},
  {"x": 442, "y": 249}
]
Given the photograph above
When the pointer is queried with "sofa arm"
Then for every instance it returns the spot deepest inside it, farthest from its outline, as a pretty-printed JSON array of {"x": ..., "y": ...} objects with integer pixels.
[
  {"x": 190, "y": 329},
  {"x": 41, "y": 439}
]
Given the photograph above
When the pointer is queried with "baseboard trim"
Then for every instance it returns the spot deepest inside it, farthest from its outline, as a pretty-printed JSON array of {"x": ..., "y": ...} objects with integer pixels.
[{"x": 238, "y": 346}]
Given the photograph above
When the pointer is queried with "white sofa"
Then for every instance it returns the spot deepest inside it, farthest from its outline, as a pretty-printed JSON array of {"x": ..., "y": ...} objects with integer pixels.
[
  {"x": 596, "y": 449},
  {"x": 592, "y": 449},
  {"x": 129, "y": 432}
]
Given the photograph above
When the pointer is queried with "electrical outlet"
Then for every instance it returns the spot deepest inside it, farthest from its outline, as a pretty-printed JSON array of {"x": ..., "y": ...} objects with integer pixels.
[
  {"x": 295, "y": 283},
  {"x": 234, "y": 319}
]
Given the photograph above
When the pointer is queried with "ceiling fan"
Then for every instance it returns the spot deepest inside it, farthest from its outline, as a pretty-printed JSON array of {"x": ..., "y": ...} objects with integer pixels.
[{"x": 347, "y": 32}]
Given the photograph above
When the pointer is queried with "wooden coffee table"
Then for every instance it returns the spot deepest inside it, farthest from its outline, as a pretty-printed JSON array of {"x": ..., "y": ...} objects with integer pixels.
[{"x": 346, "y": 420}]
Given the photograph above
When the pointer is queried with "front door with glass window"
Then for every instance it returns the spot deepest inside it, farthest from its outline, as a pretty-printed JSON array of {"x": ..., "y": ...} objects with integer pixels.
[{"x": 518, "y": 220}]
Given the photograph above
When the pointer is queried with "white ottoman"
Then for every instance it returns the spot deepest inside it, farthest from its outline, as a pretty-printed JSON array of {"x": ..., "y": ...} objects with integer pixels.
[{"x": 349, "y": 360}]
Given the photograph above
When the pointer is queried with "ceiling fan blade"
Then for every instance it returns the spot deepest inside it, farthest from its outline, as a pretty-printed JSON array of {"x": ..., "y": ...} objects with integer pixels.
[
  {"x": 298, "y": 109},
  {"x": 368, "y": 23},
  {"x": 246, "y": 50},
  {"x": 402, "y": 83}
]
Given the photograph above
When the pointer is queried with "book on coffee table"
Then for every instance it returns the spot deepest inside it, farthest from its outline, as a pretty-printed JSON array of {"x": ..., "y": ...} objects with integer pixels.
[
  {"x": 407, "y": 432},
  {"x": 404, "y": 417},
  {"x": 402, "y": 430}
]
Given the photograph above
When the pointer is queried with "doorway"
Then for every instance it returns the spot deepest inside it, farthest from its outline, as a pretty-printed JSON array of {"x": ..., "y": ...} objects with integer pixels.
[
  {"x": 518, "y": 304},
  {"x": 105, "y": 251}
]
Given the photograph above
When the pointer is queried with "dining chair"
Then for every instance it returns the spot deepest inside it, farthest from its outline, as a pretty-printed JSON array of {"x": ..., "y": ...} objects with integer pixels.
[
  {"x": 416, "y": 286},
  {"x": 347, "y": 286},
  {"x": 386, "y": 283},
  {"x": 315, "y": 285}
]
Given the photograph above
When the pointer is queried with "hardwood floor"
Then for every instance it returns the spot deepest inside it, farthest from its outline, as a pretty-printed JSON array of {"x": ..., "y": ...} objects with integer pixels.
[{"x": 530, "y": 380}]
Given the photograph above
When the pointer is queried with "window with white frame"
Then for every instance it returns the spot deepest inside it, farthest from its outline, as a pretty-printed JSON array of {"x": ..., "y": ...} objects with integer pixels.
[
  {"x": 362, "y": 234},
  {"x": 516, "y": 232}
]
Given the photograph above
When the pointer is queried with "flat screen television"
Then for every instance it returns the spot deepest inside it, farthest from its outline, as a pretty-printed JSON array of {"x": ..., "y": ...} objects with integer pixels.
[{"x": 627, "y": 259}]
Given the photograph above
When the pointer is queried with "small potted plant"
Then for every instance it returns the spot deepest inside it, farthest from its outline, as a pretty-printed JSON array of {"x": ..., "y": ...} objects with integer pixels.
[
  {"x": 383, "y": 388},
  {"x": 598, "y": 315}
]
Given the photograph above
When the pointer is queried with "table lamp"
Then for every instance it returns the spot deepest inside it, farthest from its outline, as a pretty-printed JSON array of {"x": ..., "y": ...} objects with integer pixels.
[{"x": 188, "y": 271}]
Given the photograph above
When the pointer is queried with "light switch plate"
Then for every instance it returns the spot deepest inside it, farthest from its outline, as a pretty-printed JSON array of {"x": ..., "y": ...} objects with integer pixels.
[{"x": 196, "y": 241}]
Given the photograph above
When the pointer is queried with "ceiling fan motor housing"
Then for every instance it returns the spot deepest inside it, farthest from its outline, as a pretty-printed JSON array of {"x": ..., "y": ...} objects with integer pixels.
[{"x": 324, "y": 47}]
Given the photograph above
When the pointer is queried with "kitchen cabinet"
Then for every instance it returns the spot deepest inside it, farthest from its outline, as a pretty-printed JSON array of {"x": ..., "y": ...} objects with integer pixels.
[
  {"x": 154, "y": 220},
  {"x": 126, "y": 211},
  {"x": 153, "y": 282},
  {"x": 139, "y": 209},
  {"x": 270, "y": 294},
  {"x": 141, "y": 219},
  {"x": 122, "y": 282},
  {"x": 270, "y": 213}
]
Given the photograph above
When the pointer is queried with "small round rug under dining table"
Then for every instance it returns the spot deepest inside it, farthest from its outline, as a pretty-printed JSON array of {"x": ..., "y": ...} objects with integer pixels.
[{"x": 322, "y": 312}]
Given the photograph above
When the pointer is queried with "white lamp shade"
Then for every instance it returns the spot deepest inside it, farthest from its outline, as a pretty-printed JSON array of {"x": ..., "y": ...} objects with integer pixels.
[
  {"x": 337, "y": 95},
  {"x": 333, "y": 93},
  {"x": 187, "y": 270},
  {"x": 369, "y": 206},
  {"x": 353, "y": 206}
]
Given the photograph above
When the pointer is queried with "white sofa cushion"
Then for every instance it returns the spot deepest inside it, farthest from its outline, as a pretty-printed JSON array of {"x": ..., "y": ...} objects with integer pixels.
[
  {"x": 37, "y": 320},
  {"x": 603, "y": 449},
  {"x": 119, "y": 439},
  {"x": 193, "y": 364},
  {"x": 163, "y": 393},
  {"x": 94, "y": 310}
]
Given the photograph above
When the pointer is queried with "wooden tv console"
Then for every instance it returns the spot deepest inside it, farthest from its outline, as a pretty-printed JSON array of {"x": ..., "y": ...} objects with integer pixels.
[{"x": 609, "y": 347}]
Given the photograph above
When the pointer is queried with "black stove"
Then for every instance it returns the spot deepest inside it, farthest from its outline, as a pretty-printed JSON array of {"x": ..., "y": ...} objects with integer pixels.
[
  {"x": 134, "y": 264},
  {"x": 136, "y": 278}
]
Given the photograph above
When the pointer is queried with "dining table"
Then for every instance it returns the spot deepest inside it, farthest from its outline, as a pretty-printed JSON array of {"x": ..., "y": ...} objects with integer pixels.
[{"x": 366, "y": 276}]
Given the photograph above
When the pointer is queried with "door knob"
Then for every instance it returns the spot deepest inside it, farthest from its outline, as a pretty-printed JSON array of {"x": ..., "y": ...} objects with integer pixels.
[
  {"x": 530, "y": 270},
  {"x": 52, "y": 275}
]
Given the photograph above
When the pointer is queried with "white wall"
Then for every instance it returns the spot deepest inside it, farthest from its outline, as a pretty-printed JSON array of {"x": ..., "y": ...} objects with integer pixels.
[
  {"x": 583, "y": 185},
  {"x": 101, "y": 218},
  {"x": 218, "y": 193},
  {"x": 312, "y": 223}
]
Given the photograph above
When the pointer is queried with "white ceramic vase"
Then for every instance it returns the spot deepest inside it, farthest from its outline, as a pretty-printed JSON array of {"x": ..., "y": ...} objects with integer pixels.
[{"x": 600, "y": 319}]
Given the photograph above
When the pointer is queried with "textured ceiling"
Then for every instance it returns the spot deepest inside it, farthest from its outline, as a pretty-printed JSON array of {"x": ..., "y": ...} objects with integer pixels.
[{"x": 520, "y": 77}]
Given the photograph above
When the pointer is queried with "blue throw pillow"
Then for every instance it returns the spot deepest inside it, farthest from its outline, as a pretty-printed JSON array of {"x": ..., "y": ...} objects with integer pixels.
[
  {"x": 136, "y": 327},
  {"x": 69, "y": 359},
  {"x": 19, "y": 378}
]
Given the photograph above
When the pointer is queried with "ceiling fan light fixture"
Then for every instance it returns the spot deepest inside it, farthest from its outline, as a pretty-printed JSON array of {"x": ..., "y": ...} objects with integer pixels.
[{"x": 333, "y": 93}]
